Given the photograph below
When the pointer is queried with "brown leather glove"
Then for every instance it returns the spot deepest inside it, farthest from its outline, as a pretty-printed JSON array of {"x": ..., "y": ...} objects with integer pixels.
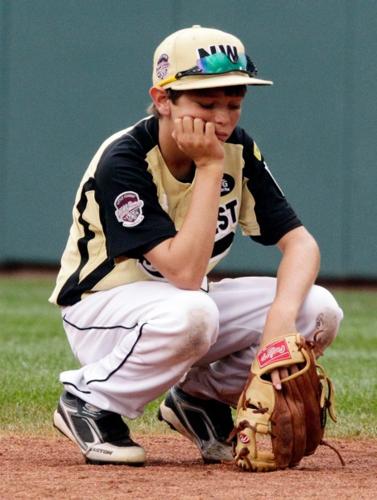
[{"x": 276, "y": 429}]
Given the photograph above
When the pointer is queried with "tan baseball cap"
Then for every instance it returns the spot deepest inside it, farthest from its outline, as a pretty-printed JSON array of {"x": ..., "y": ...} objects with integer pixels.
[{"x": 200, "y": 58}]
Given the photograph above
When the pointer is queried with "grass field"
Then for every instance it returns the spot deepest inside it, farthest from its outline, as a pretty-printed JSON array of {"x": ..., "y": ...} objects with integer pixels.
[{"x": 34, "y": 350}]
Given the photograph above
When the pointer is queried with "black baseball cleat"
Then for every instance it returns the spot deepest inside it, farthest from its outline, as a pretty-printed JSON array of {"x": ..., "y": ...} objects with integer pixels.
[
  {"x": 103, "y": 436},
  {"x": 207, "y": 423}
]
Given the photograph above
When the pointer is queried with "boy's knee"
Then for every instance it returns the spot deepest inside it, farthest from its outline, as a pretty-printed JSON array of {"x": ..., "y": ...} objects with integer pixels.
[
  {"x": 324, "y": 315},
  {"x": 198, "y": 325}
]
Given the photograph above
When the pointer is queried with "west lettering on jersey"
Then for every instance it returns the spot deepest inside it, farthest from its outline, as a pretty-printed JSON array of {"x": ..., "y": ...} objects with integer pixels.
[
  {"x": 225, "y": 231},
  {"x": 226, "y": 228},
  {"x": 227, "y": 216}
]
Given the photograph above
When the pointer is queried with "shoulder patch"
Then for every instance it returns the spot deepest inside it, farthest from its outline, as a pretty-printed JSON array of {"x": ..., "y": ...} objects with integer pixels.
[
  {"x": 257, "y": 153},
  {"x": 128, "y": 209}
]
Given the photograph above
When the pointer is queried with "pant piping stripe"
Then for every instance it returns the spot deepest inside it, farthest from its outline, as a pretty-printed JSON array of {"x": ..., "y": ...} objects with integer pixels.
[
  {"x": 98, "y": 327},
  {"x": 75, "y": 386},
  {"x": 123, "y": 361}
]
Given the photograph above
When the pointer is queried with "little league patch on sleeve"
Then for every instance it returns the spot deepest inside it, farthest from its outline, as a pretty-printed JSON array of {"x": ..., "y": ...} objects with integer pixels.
[
  {"x": 274, "y": 352},
  {"x": 128, "y": 209}
]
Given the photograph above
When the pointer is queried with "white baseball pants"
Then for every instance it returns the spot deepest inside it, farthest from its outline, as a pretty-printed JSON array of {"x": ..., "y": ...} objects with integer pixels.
[{"x": 136, "y": 341}]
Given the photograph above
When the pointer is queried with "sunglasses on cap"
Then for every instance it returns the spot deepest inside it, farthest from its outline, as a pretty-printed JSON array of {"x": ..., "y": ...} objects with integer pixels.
[{"x": 215, "y": 64}]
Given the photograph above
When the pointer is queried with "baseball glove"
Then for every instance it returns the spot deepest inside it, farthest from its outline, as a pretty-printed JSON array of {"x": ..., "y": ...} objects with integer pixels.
[{"x": 275, "y": 429}]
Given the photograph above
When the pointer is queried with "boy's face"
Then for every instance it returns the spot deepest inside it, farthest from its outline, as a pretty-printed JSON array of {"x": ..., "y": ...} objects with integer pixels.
[{"x": 211, "y": 105}]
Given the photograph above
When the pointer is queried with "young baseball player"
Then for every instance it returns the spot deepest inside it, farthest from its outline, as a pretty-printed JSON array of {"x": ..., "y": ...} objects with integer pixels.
[{"x": 156, "y": 210}]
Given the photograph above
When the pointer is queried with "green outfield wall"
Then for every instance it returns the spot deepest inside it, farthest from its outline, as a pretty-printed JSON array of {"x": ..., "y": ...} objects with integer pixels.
[{"x": 75, "y": 71}]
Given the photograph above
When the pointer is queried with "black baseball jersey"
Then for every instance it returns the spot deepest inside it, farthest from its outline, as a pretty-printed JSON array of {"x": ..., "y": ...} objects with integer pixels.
[{"x": 128, "y": 202}]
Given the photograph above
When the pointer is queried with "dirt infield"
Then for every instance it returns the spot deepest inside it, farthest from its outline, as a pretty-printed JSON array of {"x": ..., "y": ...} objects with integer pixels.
[{"x": 53, "y": 468}]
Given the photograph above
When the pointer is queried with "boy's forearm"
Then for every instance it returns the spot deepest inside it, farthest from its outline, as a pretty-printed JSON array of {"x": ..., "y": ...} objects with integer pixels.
[
  {"x": 297, "y": 272},
  {"x": 184, "y": 259}
]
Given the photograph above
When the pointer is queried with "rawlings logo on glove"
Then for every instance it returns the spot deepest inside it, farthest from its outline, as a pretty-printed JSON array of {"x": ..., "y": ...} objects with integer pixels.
[
  {"x": 277, "y": 351},
  {"x": 276, "y": 429}
]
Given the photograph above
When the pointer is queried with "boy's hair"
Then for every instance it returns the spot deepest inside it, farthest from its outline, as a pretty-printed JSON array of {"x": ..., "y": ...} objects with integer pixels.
[{"x": 174, "y": 95}]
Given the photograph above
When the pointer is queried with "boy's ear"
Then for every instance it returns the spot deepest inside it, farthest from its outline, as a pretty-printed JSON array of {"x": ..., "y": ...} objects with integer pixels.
[{"x": 160, "y": 100}]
